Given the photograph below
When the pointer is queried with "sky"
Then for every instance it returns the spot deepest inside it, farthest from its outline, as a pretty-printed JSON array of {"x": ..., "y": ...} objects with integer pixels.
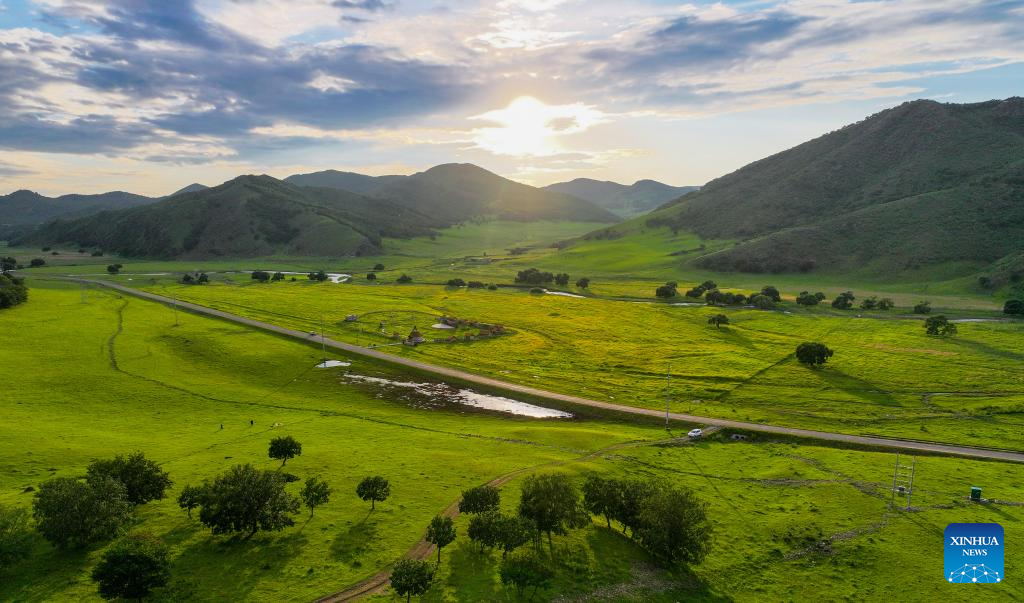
[{"x": 151, "y": 95}]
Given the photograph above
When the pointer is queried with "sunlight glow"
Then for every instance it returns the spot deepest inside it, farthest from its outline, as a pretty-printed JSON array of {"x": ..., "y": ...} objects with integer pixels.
[{"x": 528, "y": 127}]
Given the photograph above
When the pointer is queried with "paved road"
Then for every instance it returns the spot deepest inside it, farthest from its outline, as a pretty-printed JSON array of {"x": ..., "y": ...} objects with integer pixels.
[{"x": 1002, "y": 455}]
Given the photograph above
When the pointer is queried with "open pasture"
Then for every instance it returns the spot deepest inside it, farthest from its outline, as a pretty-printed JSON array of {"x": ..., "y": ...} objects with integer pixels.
[
  {"x": 133, "y": 380},
  {"x": 887, "y": 377}
]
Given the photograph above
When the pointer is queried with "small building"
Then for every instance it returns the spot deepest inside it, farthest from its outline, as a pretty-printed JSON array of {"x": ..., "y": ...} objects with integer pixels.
[{"x": 415, "y": 337}]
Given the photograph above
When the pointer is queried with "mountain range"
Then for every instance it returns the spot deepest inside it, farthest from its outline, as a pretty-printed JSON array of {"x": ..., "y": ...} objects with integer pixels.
[
  {"x": 915, "y": 187},
  {"x": 625, "y": 201},
  {"x": 260, "y": 215}
]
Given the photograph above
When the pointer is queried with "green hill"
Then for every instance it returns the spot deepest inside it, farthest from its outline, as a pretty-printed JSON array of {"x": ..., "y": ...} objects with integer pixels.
[
  {"x": 22, "y": 210},
  {"x": 454, "y": 193},
  {"x": 922, "y": 186},
  {"x": 349, "y": 181},
  {"x": 627, "y": 201},
  {"x": 245, "y": 217}
]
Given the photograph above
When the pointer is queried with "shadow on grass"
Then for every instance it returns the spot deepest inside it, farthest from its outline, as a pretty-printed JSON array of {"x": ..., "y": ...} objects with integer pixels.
[
  {"x": 987, "y": 350},
  {"x": 865, "y": 390},
  {"x": 228, "y": 569},
  {"x": 469, "y": 574},
  {"x": 348, "y": 546}
]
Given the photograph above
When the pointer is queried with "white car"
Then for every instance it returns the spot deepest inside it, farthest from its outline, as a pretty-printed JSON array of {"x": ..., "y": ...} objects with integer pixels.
[{"x": 695, "y": 433}]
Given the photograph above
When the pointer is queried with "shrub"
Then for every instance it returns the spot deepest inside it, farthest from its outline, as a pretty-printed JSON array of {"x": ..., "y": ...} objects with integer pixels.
[
  {"x": 37, "y": 262},
  {"x": 667, "y": 291},
  {"x": 532, "y": 276},
  {"x": 923, "y": 307},
  {"x": 939, "y": 325},
  {"x": 843, "y": 301},
  {"x": 405, "y": 278},
  {"x": 583, "y": 283},
  {"x": 456, "y": 282},
  {"x": 1013, "y": 306}
]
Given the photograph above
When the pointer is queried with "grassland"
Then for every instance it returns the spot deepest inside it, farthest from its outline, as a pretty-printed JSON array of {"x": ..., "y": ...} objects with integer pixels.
[
  {"x": 112, "y": 374},
  {"x": 887, "y": 377}
]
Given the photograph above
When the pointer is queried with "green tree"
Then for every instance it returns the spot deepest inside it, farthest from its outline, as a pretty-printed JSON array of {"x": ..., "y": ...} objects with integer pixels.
[
  {"x": 74, "y": 513},
  {"x": 601, "y": 497},
  {"x": 886, "y": 303},
  {"x": 771, "y": 293},
  {"x": 813, "y": 353},
  {"x": 404, "y": 279},
  {"x": 316, "y": 492},
  {"x": 411, "y": 577},
  {"x": 456, "y": 282},
  {"x": 480, "y": 499},
  {"x": 674, "y": 526},
  {"x": 12, "y": 291},
  {"x": 762, "y": 302},
  {"x": 939, "y": 325},
  {"x": 440, "y": 533},
  {"x": 630, "y": 500},
  {"x": 246, "y": 499},
  {"x": 667, "y": 291},
  {"x": 261, "y": 276},
  {"x": 15, "y": 536},
  {"x": 718, "y": 320},
  {"x": 37, "y": 262},
  {"x": 869, "y": 303},
  {"x": 583, "y": 283},
  {"x": 844, "y": 301},
  {"x": 378, "y": 267},
  {"x": 284, "y": 448},
  {"x": 374, "y": 489},
  {"x": 371, "y": 276},
  {"x": 526, "y": 572},
  {"x": 484, "y": 529},
  {"x": 190, "y": 498},
  {"x": 923, "y": 307},
  {"x": 1013, "y": 306},
  {"x": 809, "y": 299},
  {"x": 562, "y": 279},
  {"x": 114, "y": 268},
  {"x": 552, "y": 503},
  {"x": 8, "y": 263},
  {"x": 143, "y": 479},
  {"x": 511, "y": 532},
  {"x": 132, "y": 568},
  {"x": 278, "y": 276},
  {"x": 318, "y": 276}
]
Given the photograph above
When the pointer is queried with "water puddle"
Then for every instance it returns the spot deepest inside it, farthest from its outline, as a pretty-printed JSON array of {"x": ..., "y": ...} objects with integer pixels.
[
  {"x": 441, "y": 326},
  {"x": 332, "y": 364},
  {"x": 564, "y": 294},
  {"x": 978, "y": 320},
  {"x": 439, "y": 395}
]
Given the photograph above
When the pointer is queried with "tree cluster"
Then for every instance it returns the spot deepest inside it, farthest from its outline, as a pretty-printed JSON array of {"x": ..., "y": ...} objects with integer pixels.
[
  {"x": 873, "y": 303},
  {"x": 261, "y": 275},
  {"x": 923, "y": 307},
  {"x": 8, "y": 263},
  {"x": 199, "y": 278},
  {"x": 1014, "y": 306},
  {"x": 318, "y": 276},
  {"x": 715, "y": 297},
  {"x": 668, "y": 290},
  {"x": 532, "y": 276},
  {"x": 671, "y": 523},
  {"x": 844, "y": 301},
  {"x": 810, "y": 299},
  {"x": 701, "y": 289}
]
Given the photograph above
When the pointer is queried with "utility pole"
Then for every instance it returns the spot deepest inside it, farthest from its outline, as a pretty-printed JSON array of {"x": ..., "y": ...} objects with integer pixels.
[{"x": 668, "y": 395}]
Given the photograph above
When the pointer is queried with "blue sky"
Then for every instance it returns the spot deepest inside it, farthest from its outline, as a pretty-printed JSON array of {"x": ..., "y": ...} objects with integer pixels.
[{"x": 150, "y": 95}]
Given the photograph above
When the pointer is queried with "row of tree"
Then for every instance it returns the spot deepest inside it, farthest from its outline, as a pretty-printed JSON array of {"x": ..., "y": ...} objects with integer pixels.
[{"x": 671, "y": 523}]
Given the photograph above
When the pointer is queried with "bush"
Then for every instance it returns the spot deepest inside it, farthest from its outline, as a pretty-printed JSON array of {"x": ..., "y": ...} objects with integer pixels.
[
  {"x": 456, "y": 282},
  {"x": 809, "y": 299},
  {"x": 114, "y": 268},
  {"x": 318, "y": 276},
  {"x": 562, "y": 279},
  {"x": 378, "y": 267},
  {"x": 371, "y": 276},
  {"x": 475, "y": 285},
  {"x": 261, "y": 276},
  {"x": 132, "y": 568},
  {"x": 37, "y": 262},
  {"x": 492, "y": 287},
  {"x": 667, "y": 291},
  {"x": 405, "y": 278},
  {"x": 583, "y": 283},
  {"x": 813, "y": 353},
  {"x": 75, "y": 513},
  {"x": 886, "y": 303},
  {"x": 923, "y": 308},
  {"x": 532, "y": 276}
]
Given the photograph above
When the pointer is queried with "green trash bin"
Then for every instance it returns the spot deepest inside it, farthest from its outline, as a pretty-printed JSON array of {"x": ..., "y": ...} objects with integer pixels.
[{"x": 975, "y": 493}]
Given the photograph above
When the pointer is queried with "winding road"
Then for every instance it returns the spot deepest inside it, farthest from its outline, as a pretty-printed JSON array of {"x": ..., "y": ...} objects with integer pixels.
[{"x": 908, "y": 445}]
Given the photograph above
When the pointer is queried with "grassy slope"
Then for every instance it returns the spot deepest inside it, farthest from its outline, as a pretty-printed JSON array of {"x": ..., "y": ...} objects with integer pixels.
[{"x": 173, "y": 386}]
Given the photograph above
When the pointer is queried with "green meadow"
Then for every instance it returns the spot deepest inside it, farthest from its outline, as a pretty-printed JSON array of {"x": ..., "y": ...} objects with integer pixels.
[
  {"x": 94, "y": 373},
  {"x": 887, "y": 376}
]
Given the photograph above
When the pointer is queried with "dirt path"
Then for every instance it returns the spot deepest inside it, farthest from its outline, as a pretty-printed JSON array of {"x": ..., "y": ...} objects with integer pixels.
[{"x": 949, "y": 449}]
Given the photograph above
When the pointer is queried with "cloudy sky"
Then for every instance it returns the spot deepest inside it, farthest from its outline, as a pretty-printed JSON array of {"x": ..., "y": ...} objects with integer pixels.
[{"x": 150, "y": 95}]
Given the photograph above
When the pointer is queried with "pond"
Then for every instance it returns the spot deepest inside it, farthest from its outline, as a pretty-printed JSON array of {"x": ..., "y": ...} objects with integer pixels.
[{"x": 439, "y": 395}]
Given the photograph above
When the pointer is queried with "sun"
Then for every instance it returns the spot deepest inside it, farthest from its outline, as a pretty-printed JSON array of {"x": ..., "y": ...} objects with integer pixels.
[{"x": 529, "y": 127}]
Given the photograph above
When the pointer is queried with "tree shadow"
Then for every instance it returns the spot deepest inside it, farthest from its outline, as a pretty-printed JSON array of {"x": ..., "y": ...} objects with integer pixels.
[
  {"x": 230, "y": 568},
  {"x": 467, "y": 573},
  {"x": 865, "y": 390},
  {"x": 348, "y": 546},
  {"x": 988, "y": 350}
]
